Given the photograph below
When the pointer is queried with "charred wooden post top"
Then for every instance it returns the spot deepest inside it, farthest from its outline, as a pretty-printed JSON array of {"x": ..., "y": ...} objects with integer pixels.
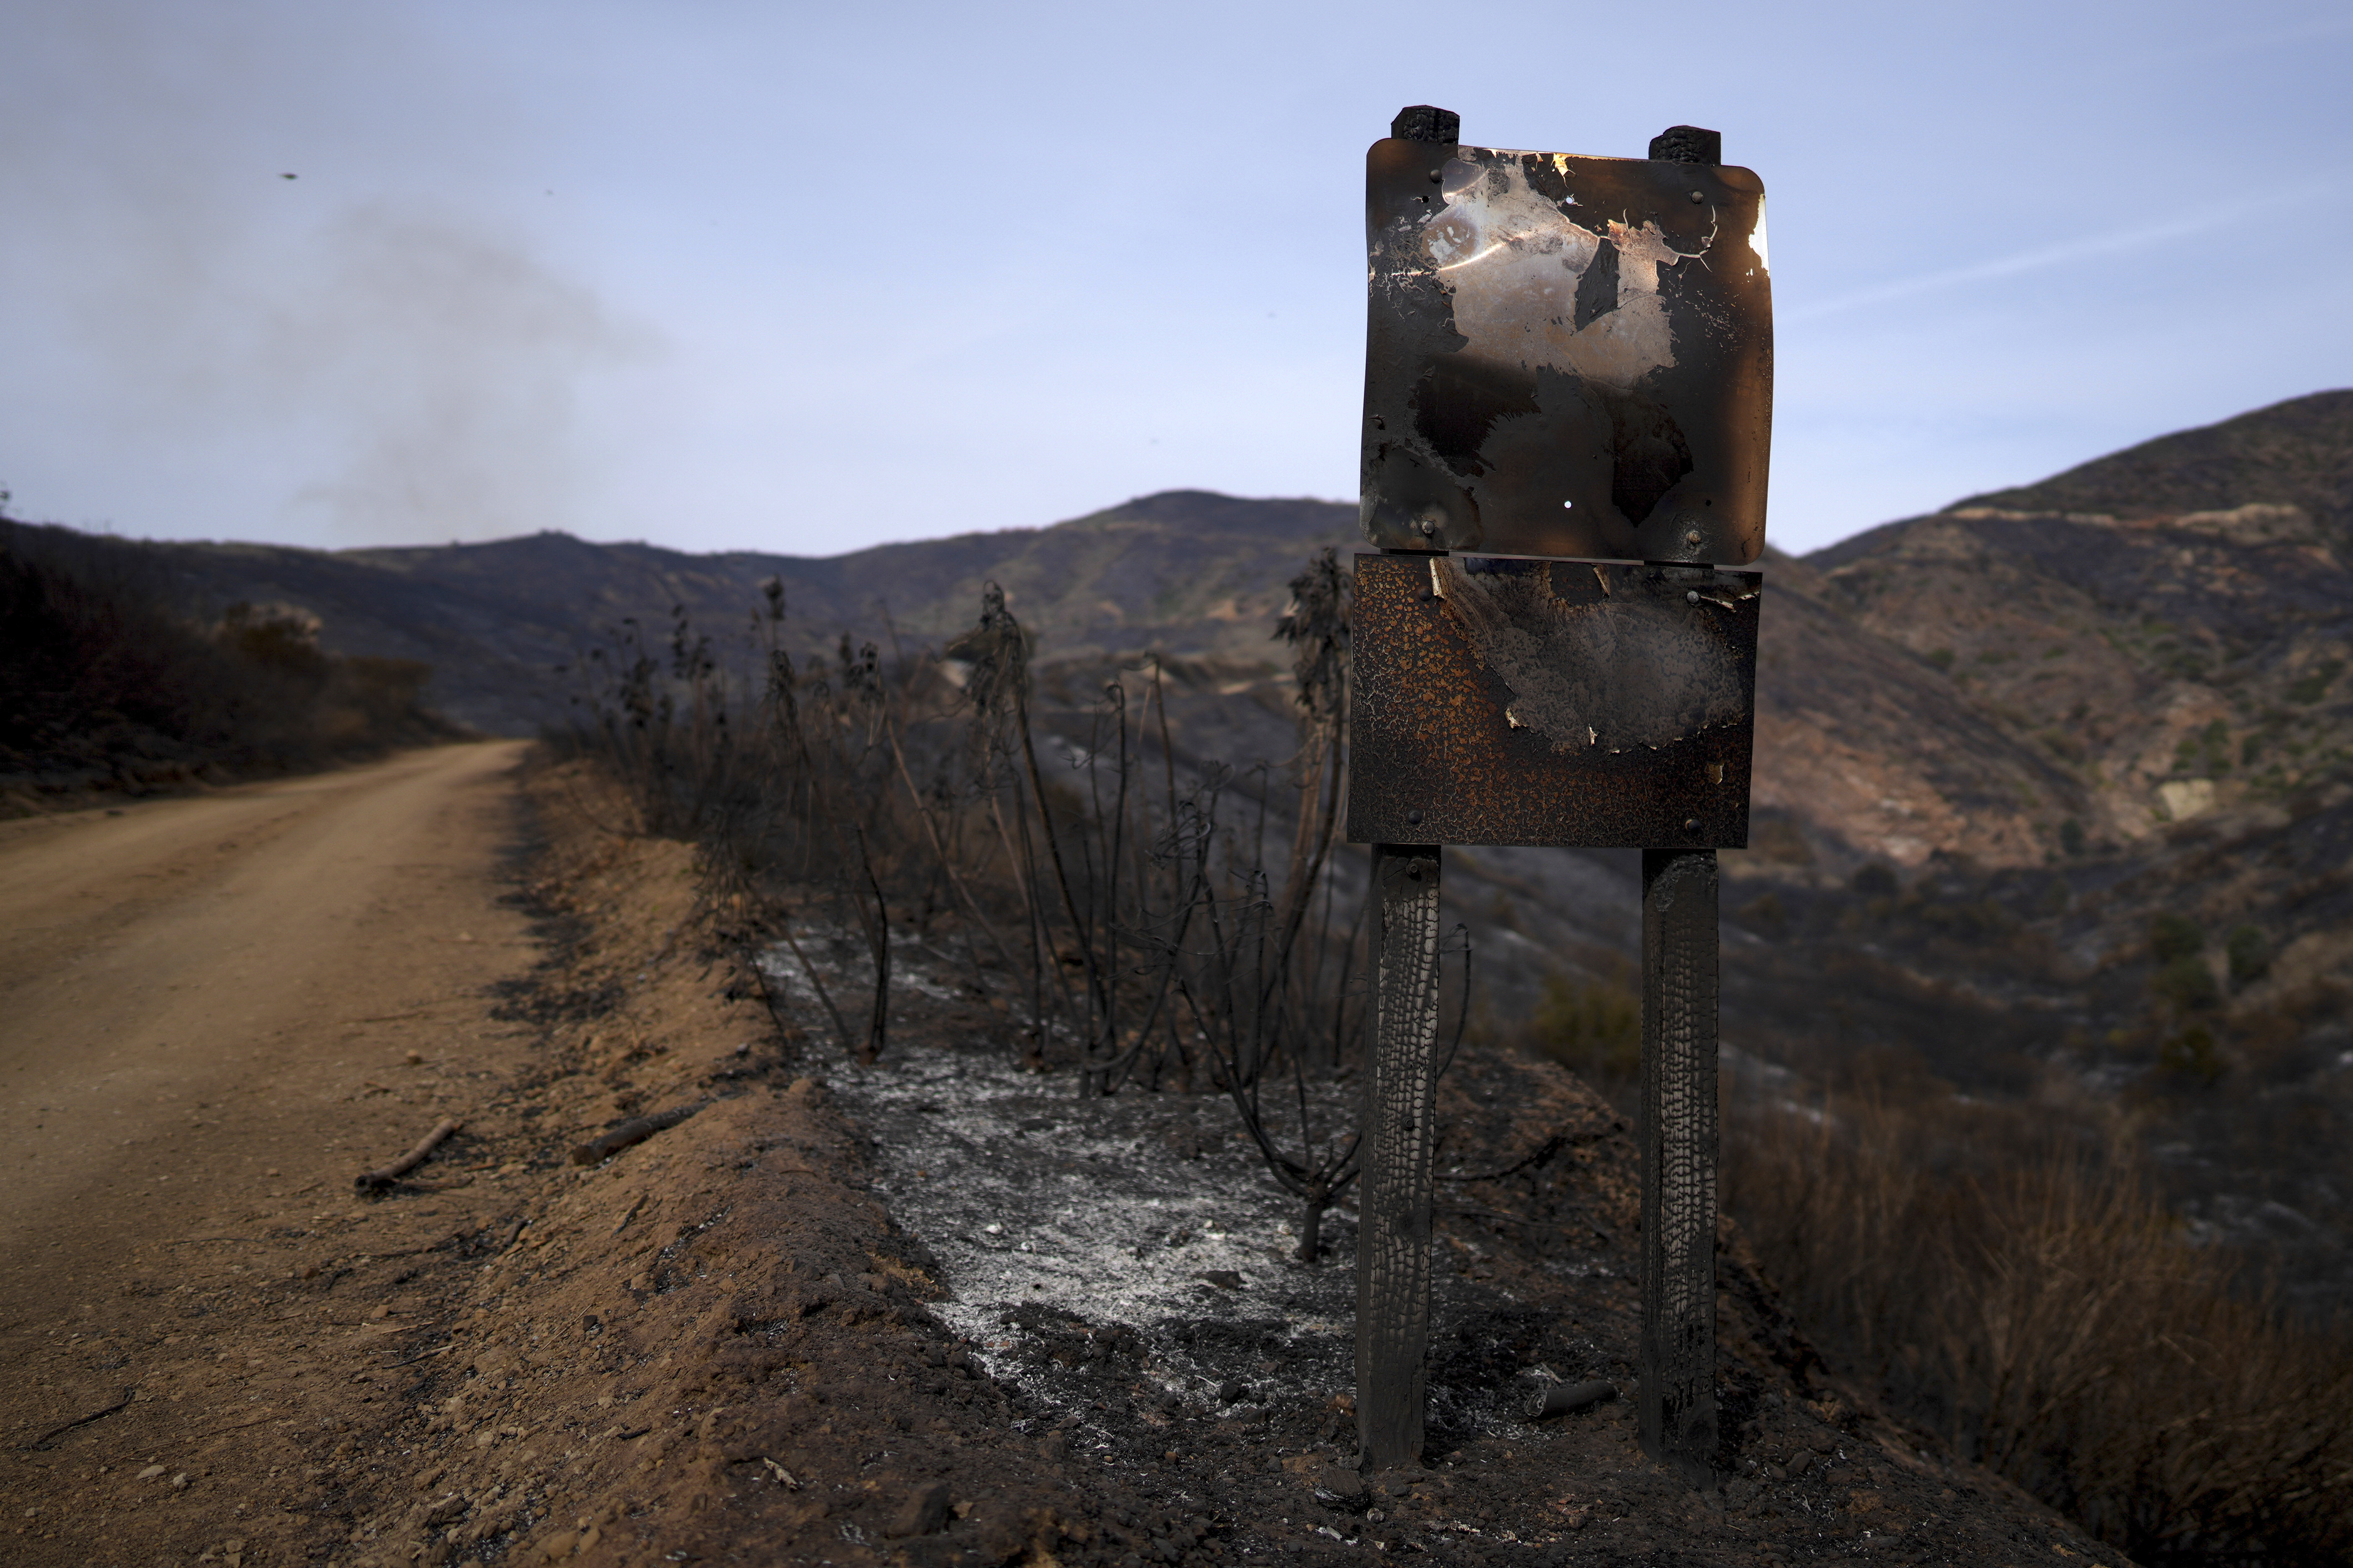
[
  {"x": 1426, "y": 122},
  {"x": 1687, "y": 144}
]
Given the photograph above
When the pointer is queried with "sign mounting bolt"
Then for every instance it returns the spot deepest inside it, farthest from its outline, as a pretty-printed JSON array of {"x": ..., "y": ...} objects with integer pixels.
[
  {"x": 1414, "y": 817},
  {"x": 1690, "y": 596},
  {"x": 1690, "y": 825},
  {"x": 1696, "y": 197}
]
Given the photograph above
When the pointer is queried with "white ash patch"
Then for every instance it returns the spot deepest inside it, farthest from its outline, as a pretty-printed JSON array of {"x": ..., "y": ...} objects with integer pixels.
[
  {"x": 845, "y": 963},
  {"x": 1141, "y": 1210},
  {"x": 1122, "y": 1254}
]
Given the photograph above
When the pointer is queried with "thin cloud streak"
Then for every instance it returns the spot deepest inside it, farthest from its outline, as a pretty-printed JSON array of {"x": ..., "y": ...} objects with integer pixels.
[{"x": 2120, "y": 243}]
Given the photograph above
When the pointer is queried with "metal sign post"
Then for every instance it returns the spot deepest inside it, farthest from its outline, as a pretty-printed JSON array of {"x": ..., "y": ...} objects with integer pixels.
[{"x": 1568, "y": 413}]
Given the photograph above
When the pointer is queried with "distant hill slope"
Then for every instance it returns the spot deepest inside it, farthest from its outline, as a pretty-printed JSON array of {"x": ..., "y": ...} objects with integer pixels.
[
  {"x": 1187, "y": 565},
  {"x": 2168, "y": 626},
  {"x": 1187, "y": 571},
  {"x": 2151, "y": 637},
  {"x": 2297, "y": 453}
]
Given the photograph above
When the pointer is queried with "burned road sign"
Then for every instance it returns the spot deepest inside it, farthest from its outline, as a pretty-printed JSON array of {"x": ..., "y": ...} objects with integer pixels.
[
  {"x": 1565, "y": 356},
  {"x": 1571, "y": 702},
  {"x": 1572, "y": 358}
]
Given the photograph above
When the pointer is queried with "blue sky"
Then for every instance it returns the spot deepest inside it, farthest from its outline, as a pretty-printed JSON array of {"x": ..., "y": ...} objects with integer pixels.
[{"x": 788, "y": 278}]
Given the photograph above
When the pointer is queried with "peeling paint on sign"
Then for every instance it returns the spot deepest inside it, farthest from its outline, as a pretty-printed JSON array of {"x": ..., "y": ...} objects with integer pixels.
[
  {"x": 1524, "y": 283},
  {"x": 1506, "y": 701},
  {"x": 1609, "y": 676},
  {"x": 1565, "y": 356}
]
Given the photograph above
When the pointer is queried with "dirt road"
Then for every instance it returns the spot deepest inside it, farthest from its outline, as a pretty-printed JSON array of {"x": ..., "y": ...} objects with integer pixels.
[
  {"x": 221, "y": 1008},
  {"x": 193, "y": 993}
]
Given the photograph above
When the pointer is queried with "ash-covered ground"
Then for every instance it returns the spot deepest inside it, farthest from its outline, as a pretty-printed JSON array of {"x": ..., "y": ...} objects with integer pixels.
[
  {"x": 1139, "y": 1238},
  {"x": 1121, "y": 1272}
]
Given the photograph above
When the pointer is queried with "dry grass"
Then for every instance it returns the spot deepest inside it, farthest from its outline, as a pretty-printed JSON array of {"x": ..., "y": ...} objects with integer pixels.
[{"x": 2038, "y": 1305}]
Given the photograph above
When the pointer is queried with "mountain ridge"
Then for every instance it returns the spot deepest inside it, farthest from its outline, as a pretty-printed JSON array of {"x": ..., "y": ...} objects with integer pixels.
[
  {"x": 2026, "y": 670},
  {"x": 2297, "y": 452}
]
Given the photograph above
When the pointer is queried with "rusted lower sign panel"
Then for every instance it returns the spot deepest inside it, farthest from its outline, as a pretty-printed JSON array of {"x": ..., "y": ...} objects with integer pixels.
[
  {"x": 1566, "y": 356},
  {"x": 1576, "y": 702}
]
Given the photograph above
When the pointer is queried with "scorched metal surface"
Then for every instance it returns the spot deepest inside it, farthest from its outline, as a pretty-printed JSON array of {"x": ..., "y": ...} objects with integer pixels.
[
  {"x": 1574, "y": 702},
  {"x": 1566, "y": 357}
]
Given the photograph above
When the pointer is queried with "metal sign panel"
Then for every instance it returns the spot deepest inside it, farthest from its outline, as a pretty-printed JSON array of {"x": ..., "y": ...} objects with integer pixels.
[
  {"x": 1565, "y": 356},
  {"x": 1574, "y": 702}
]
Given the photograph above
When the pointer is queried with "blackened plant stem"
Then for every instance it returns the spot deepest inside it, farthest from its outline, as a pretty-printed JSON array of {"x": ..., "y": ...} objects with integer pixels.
[
  {"x": 840, "y": 1027},
  {"x": 878, "y": 936},
  {"x": 1054, "y": 851},
  {"x": 931, "y": 832}
]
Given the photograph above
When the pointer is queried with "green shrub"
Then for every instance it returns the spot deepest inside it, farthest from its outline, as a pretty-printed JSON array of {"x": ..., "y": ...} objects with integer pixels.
[
  {"x": 2187, "y": 983},
  {"x": 1593, "y": 1027},
  {"x": 2172, "y": 936},
  {"x": 108, "y": 680},
  {"x": 2314, "y": 685},
  {"x": 2250, "y": 955},
  {"x": 2191, "y": 1054}
]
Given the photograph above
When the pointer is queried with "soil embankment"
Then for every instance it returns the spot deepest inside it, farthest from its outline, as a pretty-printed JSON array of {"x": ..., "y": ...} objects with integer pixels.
[{"x": 719, "y": 1343}]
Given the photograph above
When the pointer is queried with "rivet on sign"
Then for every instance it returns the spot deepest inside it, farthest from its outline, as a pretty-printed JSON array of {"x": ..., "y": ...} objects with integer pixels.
[
  {"x": 1414, "y": 817},
  {"x": 1697, "y": 197},
  {"x": 1690, "y": 596},
  {"x": 1380, "y": 423},
  {"x": 1429, "y": 525},
  {"x": 1436, "y": 176},
  {"x": 1692, "y": 537},
  {"x": 1690, "y": 825},
  {"x": 1568, "y": 503}
]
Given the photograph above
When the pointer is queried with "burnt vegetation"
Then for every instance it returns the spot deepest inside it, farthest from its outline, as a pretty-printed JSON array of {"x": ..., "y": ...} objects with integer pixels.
[
  {"x": 1142, "y": 916},
  {"x": 1145, "y": 917},
  {"x": 2058, "y": 1173}
]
